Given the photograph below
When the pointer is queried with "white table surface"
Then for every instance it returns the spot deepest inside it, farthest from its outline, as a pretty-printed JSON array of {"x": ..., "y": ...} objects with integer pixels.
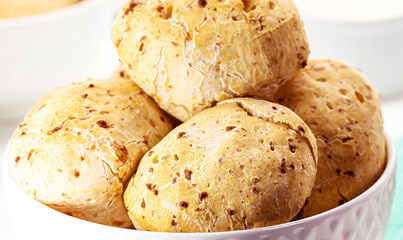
[{"x": 392, "y": 112}]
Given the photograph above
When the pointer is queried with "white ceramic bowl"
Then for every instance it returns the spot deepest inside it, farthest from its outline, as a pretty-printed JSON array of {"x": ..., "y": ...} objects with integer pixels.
[
  {"x": 364, "y": 217},
  {"x": 40, "y": 52},
  {"x": 365, "y": 33}
]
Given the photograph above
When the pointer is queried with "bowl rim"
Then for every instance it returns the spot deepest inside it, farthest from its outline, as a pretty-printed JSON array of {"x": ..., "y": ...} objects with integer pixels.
[
  {"x": 52, "y": 15},
  {"x": 387, "y": 173}
]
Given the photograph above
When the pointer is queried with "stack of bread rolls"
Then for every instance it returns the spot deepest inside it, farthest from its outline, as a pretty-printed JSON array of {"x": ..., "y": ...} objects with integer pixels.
[{"x": 267, "y": 136}]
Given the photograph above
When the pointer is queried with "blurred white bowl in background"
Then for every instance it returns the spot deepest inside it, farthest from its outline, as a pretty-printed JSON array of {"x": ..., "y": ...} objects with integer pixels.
[
  {"x": 364, "y": 217},
  {"x": 366, "y": 33},
  {"x": 40, "y": 52}
]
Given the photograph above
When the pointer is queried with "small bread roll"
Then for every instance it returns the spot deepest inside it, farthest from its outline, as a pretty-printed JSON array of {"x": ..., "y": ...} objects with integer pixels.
[
  {"x": 343, "y": 110},
  {"x": 190, "y": 54},
  {"x": 80, "y": 144},
  {"x": 243, "y": 164},
  {"x": 20, "y": 8}
]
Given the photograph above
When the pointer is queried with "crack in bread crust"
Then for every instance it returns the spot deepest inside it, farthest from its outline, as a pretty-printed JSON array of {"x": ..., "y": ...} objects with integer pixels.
[{"x": 252, "y": 112}]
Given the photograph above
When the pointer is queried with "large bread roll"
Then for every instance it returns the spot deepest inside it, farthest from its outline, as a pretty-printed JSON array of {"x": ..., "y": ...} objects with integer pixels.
[
  {"x": 343, "y": 110},
  {"x": 242, "y": 164},
  {"x": 79, "y": 145},
  {"x": 190, "y": 54}
]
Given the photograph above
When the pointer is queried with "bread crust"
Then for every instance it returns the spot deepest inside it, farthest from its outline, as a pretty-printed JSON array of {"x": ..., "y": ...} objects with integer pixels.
[
  {"x": 79, "y": 144},
  {"x": 188, "y": 54},
  {"x": 243, "y": 164},
  {"x": 343, "y": 110}
]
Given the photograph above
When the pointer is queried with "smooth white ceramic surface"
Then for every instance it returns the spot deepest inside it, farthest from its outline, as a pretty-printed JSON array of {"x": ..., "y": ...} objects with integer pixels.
[
  {"x": 6, "y": 233},
  {"x": 350, "y": 31},
  {"x": 41, "y": 52},
  {"x": 365, "y": 217}
]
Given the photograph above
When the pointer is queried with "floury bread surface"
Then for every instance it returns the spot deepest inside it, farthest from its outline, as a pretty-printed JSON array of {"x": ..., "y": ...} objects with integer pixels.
[
  {"x": 344, "y": 112},
  {"x": 79, "y": 145},
  {"x": 190, "y": 54},
  {"x": 243, "y": 164}
]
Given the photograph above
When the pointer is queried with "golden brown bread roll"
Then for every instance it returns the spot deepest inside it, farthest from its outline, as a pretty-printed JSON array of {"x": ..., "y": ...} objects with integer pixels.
[
  {"x": 19, "y": 8},
  {"x": 79, "y": 145},
  {"x": 343, "y": 110},
  {"x": 190, "y": 54},
  {"x": 243, "y": 164}
]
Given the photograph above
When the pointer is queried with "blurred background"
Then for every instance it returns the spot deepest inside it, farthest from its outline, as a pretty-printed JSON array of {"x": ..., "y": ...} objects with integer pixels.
[{"x": 49, "y": 43}]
